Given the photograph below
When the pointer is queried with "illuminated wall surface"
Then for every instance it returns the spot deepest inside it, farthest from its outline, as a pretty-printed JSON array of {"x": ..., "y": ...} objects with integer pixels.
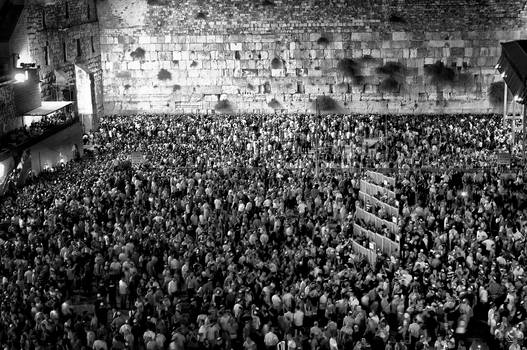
[
  {"x": 6, "y": 166},
  {"x": 59, "y": 147},
  {"x": 27, "y": 93},
  {"x": 71, "y": 35},
  {"x": 166, "y": 55},
  {"x": 83, "y": 85}
]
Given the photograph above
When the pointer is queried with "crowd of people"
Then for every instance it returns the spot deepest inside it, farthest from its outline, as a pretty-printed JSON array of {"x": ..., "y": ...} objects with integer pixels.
[
  {"x": 236, "y": 232},
  {"x": 18, "y": 136}
]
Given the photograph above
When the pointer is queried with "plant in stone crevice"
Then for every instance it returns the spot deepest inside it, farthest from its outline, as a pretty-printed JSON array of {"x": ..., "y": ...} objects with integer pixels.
[
  {"x": 350, "y": 69},
  {"x": 274, "y": 104},
  {"x": 164, "y": 75},
  {"x": 127, "y": 86},
  {"x": 176, "y": 88},
  {"x": 440, "y": 74},
  {"x": 223, "y": 106},
  {"x": 465, "y": 80},
  {"x": 396, "y": 18},
  {"x": 393, "y": 73},
  {"x": 201, "y": 15},
  {"x": 391, "y": 68},
  {"x": 138, "y": 53},
  {"x": 390, "y": 84},
  {"x": 194, "y": 64},
  {"x": 277, "y": 63},
  {"x": 326, "y": 104},
  {"x": 323, "y": 41}
]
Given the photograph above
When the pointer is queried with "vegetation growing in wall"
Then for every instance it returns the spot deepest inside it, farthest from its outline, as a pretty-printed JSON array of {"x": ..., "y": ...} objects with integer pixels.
[
  {"x": 440, "y": 74},
  {"x": 391, "y": 68},
  {"x": 393, "y": 73},
  {"x": 274, "y": 104},
  {"x": 223, "y": 106},
  {"x": 164, "y": 75},
  {"x": 201, "y": 15},
  {"x": 323, "y": 41},
  {"x": 390, "y": 84},
  {"x": 127, "y": 86},
  {"x": 325, "y": 104},
  {"x": 138, "y": 53},
  {"x": 396, "y": 18},
  {"x": 176, "y": 87},
  {"x": 250, "y": 87},
  {"x": 277, "y": 63},
  {"x": 194, "y": 64},
  {"x": 465, "y": 80},
  {"x": 350, "y": 69}
]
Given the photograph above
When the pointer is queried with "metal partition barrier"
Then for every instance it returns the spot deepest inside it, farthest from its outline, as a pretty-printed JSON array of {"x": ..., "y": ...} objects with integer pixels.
[
  {"x": 383, "y": 243},
  {"x": 369, "y": 254},
  {"x": 392, "y": 211},
  {"x": 379, "y": 178},
  {"x": 376, "y": 221},
  {"x": 374, "y": 190}
]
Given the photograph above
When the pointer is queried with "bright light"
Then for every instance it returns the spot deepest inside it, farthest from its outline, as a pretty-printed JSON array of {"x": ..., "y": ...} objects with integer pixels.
[
  {"x": 517, "y": 98},
  {"x": 497, "y": 66},
  {"x": 464, "y": 194},
  {"x": 2, "y": 170},
  {"x": 21, "y": 77}
]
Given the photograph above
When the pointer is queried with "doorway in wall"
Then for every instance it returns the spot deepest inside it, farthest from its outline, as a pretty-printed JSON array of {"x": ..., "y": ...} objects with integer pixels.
[{"x": 85, "y": 88}]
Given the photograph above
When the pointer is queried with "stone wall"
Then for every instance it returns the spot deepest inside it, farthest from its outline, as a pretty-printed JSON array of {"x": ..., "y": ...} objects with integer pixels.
[
  {"x": 7, "y": 107},
  {"x": 19, "y": 41},
  {"x": 376, "y": 56},
  {"x": 69, "y": 31}
]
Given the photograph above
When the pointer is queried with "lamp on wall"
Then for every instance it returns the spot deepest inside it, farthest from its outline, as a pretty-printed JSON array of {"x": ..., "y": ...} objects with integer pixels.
[{"x": 21, "y": 76}]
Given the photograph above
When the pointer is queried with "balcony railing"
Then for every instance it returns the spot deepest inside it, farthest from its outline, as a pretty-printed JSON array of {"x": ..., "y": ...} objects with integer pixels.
[{"x": 32, "y": 137}]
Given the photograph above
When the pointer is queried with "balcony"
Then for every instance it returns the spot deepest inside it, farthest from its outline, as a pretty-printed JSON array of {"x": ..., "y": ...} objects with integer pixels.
[{"x": 43, "y": 127}]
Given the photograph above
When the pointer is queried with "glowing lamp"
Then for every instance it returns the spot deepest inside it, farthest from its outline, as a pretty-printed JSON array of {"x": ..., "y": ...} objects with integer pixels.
[
  {"x": 497, "y": 66},
  {"x": 2, "y": 170},
  {"x": 21, "y": 77}
]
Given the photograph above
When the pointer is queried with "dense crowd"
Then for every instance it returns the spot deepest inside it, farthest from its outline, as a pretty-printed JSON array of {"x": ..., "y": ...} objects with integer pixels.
[
  {"x": 236, "y": 233},
  {"x": 20, "y": 135}
]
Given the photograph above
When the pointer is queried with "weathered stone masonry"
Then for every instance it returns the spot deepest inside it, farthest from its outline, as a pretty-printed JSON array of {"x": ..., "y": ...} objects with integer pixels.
[
  {"x": 7, "y": 107},
  {"x": 187, "y": 55},
  {"x": 69, "y": 31}
]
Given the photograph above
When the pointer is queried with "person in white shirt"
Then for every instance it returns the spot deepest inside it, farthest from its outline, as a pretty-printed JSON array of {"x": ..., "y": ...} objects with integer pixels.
[
  {"x": 271, "y": 339},
  {"x": 298, "y": 320}
]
